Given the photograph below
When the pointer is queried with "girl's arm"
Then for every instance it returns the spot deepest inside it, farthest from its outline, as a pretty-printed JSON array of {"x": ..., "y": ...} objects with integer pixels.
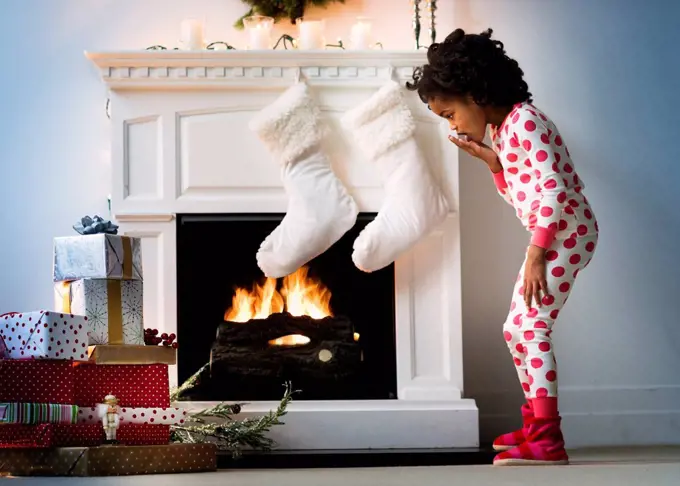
[{"x": 545, "y": 150}]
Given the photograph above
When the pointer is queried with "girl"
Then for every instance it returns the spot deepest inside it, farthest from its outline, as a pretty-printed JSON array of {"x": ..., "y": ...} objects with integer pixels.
[{"x": 470, "y": 81}]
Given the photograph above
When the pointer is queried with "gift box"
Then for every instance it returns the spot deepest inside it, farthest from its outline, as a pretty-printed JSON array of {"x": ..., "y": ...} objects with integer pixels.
[
  {"x": 45, "y": 335},
  {"x": 137, "y": 415},
  {"x": 110, "y": 461},
  {"x": 37, "y": 381},
  {"x": 37, "y": 413},
  {"x": 80, "y": 435},
  {"x": 101, "y": 256},
  {"x": 113, "y": 308},
  {"x": 132, "y": 354},
  {"x": 132, "y": 385}
]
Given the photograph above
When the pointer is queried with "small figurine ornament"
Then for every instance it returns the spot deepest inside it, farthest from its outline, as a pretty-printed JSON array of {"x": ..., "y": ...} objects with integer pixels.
[{"x": 108, "y": 414}]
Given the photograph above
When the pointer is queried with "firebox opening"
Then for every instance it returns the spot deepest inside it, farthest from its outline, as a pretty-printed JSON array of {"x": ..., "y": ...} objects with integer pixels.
[{"x": 328, "y": 328}]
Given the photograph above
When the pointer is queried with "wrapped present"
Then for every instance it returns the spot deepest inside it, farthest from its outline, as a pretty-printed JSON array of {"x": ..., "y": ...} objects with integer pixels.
[
  {"x": 101, "y": 256},
  {"x": 113, "y": 307},
  {"x": 132, "y": 354},
  {"x": 135, "y": 415},
  {"x": 110, "y": 461},
  {"x": 45, "y": 335},
  {"x": 37, "y": 381},
  {"x": 26, "y": 436},
  {"x": 80, "y": 435},
  {"x": 37, "y": 413},
  {"x": 133, "y": 385}
]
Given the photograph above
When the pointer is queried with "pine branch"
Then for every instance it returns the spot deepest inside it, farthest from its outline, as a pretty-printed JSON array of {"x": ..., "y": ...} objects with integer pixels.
[
  {"x": 231, "y": 435},
  {"x": 191, "y": 382}
]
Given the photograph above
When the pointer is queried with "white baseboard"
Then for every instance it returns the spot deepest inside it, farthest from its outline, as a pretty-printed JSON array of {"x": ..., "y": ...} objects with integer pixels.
[{"x": 595, "y": 416}]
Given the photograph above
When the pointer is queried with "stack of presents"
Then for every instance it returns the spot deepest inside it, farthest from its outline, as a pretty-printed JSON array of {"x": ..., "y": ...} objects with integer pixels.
[{"x": 80, "y": 392}]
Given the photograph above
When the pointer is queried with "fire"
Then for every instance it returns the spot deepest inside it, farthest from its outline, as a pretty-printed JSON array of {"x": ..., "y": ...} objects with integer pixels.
[{"x": 300, "y": 295}]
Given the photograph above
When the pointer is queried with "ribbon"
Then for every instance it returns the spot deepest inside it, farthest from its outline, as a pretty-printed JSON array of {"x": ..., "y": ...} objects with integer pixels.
[
  {"x": 115, "y": 307},
  {"x": 93, "y": 226},
  {"x": 127, "y": 258},
  {"x": 66, "y": 297}
]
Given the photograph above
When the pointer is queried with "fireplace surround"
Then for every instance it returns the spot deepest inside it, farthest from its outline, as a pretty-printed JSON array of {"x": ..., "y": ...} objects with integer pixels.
[{"x": 181, "y": 149}]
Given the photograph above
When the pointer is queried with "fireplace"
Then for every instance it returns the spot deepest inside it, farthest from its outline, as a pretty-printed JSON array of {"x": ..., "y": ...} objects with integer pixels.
[
  {"x": 199, "y": 188},
  {"x": 328, "y": 329}
]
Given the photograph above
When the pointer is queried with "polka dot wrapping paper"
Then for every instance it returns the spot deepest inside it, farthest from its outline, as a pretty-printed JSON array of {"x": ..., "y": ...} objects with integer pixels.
[
  {"x": 45, "y": 335},
  {"x": 145, "y": 386},
  {"x": 79, "y": 435},
  {"x": 37, "y": 381},
  {"x": 133, "y": 415},
  {"x": 3, "y": 349},
  {"x": 110, "y": 460}
]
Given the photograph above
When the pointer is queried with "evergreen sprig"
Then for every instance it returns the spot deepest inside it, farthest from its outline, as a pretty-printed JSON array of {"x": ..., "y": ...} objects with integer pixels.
[
  {"x": 281, "y": 9},
  {"x": 216, "y": 424}
]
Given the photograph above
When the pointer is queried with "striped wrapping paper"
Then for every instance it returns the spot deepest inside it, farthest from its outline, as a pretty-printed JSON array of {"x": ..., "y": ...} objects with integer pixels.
[{"x": 38, "y": 413}]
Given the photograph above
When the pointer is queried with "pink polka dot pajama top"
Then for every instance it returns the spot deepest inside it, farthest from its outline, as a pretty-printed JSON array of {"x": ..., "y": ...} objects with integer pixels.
[{"x": 540, "y": 182}]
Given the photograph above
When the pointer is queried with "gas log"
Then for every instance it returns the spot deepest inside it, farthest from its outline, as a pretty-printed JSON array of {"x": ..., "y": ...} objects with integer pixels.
[{"x": 243, "y": 349}]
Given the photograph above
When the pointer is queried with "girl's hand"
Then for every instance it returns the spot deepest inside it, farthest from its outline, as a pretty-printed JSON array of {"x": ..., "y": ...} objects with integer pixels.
[
  {"x": 479, "y": 150},
  {"x": 535, "y": 282}
]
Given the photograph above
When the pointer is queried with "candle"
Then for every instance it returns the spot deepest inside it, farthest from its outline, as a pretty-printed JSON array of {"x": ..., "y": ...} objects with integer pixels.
[
  {"x": 360, "y": 37},
  {"x": 310, "y": 34},
  {"x": 259, "y": 30},
  {"x": 192, "y": 34}
]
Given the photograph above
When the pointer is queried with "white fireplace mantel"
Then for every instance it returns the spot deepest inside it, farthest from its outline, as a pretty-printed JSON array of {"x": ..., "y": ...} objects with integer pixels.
[{"x": 180, "y": 144}]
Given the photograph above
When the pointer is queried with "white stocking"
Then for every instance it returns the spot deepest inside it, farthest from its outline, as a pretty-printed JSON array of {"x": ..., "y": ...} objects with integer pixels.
[
  {"x": 383, "y": 127},
  {"x": 320, "y": 211}
]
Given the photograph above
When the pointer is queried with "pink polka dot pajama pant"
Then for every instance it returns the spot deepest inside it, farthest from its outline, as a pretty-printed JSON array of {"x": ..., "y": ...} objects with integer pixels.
[{"x": 527, "y": 331}]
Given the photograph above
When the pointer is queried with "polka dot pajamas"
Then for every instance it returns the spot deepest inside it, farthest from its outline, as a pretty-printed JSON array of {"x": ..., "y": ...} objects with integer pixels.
[{"x": 540, "y": 182}]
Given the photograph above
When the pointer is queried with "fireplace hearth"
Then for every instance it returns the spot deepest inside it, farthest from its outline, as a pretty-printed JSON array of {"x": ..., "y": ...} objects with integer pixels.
[
  {"x": 181, "y": 149},
  {"x": 328, "y": 329}
]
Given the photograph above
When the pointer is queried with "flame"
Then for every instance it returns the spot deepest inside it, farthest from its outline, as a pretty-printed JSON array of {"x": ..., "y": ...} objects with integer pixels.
[{"x": 300, "y": 295}]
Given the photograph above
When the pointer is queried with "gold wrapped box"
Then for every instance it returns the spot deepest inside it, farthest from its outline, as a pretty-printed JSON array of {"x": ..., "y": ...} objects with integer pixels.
[
  {"x": 109, "y": 460},
  {"x": 131, "y": 354}
]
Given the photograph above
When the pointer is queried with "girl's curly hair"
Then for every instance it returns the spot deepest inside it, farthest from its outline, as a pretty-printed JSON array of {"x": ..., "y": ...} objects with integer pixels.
[{"x": 471, "y": 64}]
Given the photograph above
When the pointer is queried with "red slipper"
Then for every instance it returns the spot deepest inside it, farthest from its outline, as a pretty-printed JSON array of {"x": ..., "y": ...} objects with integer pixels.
[
  {"x": 544, "y": 446},
  {"x": 507, "y": 441}
]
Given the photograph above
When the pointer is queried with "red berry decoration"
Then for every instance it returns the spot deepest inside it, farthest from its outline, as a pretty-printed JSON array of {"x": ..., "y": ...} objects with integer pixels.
[
  {"x": 164, "y": 336},
  {"x": 154, "y": 332},
  {"x": 172, "y": 336},
  {"x": 174, "y": 345}
]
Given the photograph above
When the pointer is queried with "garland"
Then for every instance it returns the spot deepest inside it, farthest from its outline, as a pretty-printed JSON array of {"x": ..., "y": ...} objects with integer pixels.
[
  {"x": 216, "y": 424},
  {"x": 281, "y": 9}
]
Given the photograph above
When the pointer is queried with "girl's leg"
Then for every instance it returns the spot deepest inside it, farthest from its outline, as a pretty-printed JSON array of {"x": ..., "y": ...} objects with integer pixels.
[
  {"x": 530, "y": 330},
  {"x": 517, "y": 350}
]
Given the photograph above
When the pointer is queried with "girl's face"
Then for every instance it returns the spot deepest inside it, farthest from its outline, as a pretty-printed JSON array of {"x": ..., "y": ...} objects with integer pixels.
[{"x": 464, "y": 116}]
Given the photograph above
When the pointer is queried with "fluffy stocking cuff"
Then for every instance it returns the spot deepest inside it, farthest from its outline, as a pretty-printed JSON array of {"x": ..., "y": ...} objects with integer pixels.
[
  {"x": 289, "y": 126},
  {"x": 381, "y": 123}
]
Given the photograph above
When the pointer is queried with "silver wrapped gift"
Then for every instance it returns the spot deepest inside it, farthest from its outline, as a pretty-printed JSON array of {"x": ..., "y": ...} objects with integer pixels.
[
  {"x": 97, "y": 256},
  {"x": 114, "y": 308}
]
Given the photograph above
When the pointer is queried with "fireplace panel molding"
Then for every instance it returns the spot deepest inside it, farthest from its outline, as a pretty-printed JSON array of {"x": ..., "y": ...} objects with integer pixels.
[{"x": 181, "y": 145}]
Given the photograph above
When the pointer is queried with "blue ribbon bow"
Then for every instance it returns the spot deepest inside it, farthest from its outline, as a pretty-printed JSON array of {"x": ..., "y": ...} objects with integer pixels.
[{"x": 96, "y": 225}]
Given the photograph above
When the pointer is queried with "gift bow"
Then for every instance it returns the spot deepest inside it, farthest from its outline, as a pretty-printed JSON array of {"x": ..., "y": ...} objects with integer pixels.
[{"x": 96, "y": 225}]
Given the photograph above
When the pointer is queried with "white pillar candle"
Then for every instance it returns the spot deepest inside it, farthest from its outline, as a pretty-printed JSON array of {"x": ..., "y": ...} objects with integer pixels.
[
  {"x": 192, "y": 34},
  {"x": 360, "y": 36},
  {"x": 259, "y": 30},
  {"x": 310, "y": 34}
]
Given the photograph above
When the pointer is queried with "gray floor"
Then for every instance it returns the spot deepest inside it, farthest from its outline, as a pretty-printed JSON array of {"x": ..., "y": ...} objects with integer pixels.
[{"x": 620, "y": 467}]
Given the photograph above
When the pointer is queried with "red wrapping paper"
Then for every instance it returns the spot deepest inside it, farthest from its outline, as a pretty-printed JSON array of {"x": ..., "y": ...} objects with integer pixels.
[
  {"x": 79, "y": 435},
  {"x": 132, "y": 385},
  {"x": 15, "y": 436},
  {"x": 37, "y": 381}
]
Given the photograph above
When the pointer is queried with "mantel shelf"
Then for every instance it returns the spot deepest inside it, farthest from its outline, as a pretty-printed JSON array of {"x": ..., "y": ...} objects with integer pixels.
[{"x": 269, "y": 68}]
